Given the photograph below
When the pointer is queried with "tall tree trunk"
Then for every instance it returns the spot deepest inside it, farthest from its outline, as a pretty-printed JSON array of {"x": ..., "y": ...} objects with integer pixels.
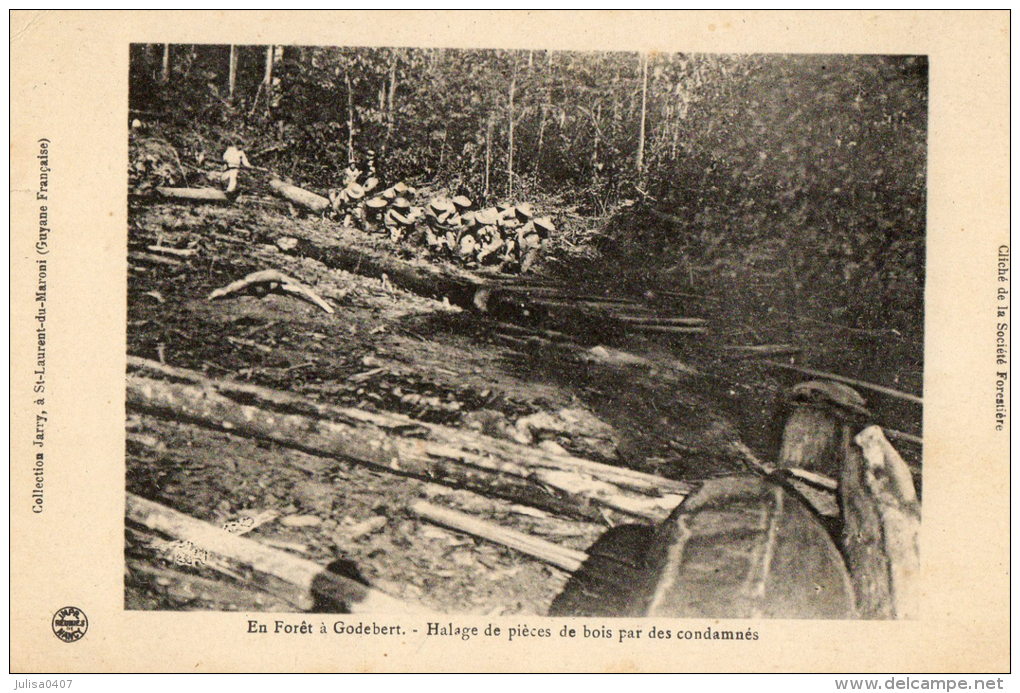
[
  {"x": 232, "y": 72},
  {"x": 510, "y": 135},
  {"x": 488, "y": 155},
  {"x": 268, "y": 78},
  {"x": 165, "y": 73},
  {"x": 390, "y": 97},
  {"x": 350, "y": 116},
  {"x": 640, "y": 160},
  {"x": 541, "y": 139}
]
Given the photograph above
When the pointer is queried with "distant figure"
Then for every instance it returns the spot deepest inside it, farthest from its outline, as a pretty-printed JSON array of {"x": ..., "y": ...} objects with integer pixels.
[
  {"x": 370, "y": 167},
  {"x": 234, "y": 159}
]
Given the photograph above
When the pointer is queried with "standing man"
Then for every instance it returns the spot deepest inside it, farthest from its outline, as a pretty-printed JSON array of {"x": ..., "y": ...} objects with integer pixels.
[{"x": 234, "y": 159}]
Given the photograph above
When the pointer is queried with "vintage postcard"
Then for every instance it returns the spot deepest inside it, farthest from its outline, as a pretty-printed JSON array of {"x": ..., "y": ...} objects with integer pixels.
[{"x": 510, "y": 341}]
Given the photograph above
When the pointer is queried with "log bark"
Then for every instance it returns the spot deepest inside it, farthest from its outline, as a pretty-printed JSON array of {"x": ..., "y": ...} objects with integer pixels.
[
  {"x": 906, "y": 396},
  {"x": 299, "y": 196},
  {"x": 546, "y": 551},
  {"x": 194, "y": 194},
  {"x": 560, "y": 483},
  {"x": 881, "y": 523},
  {"x": 310, "y": 578}
]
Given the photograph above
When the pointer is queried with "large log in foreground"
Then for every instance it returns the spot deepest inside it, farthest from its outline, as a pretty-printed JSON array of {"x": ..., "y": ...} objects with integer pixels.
[
  {"x": 299, "y": 196},
  {"x": 881, "y": 522},
  {"x": 311, "y": 579},
  {"x": 559, "y": 483}
]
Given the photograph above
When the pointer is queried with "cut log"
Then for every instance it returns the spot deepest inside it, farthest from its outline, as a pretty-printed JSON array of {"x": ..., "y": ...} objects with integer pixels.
[
  {"x": 555, "y": 482},
  {"x": 849, "y": 381},
  {"x": 285, "y": 282},
  {"x": 299, "y": 196},
  {"x": 881, "y": 523},
  {"x": 553, "y": 554},
  {"x": 194, "y": 194},
  {"x": 309, "y": 577}
]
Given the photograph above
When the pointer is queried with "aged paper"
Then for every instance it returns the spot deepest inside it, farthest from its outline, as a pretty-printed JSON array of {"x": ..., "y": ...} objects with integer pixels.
[{"x": 75, "y": 598}]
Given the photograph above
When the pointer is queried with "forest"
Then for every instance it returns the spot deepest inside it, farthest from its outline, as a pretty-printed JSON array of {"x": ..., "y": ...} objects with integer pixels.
[{"x": 502, "y": 331}]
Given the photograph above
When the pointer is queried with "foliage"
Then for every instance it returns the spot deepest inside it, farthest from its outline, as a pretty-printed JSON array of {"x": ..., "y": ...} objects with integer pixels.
[{"x": 800, "y": 179}]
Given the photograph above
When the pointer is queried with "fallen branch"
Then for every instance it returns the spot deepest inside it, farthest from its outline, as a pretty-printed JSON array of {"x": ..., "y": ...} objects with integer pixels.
[
  {"x": 310, "y": 578},
  {"x": 273, "y": 278},
  {"x": 560, "y": 483},
  {"x": 849, "y": 381},
  {"x": 553, "y": 554}
]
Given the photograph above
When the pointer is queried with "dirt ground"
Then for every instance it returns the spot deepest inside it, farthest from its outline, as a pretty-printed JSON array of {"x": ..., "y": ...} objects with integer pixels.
[{"x": 386, "y": 349}]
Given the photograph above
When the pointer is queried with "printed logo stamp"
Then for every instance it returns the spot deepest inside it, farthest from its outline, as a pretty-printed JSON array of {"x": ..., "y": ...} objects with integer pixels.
[{"x": 70, "y": 624}]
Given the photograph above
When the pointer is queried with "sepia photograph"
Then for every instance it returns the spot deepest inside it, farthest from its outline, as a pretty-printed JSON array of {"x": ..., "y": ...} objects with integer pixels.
[{"x": 525, "y": 332}]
